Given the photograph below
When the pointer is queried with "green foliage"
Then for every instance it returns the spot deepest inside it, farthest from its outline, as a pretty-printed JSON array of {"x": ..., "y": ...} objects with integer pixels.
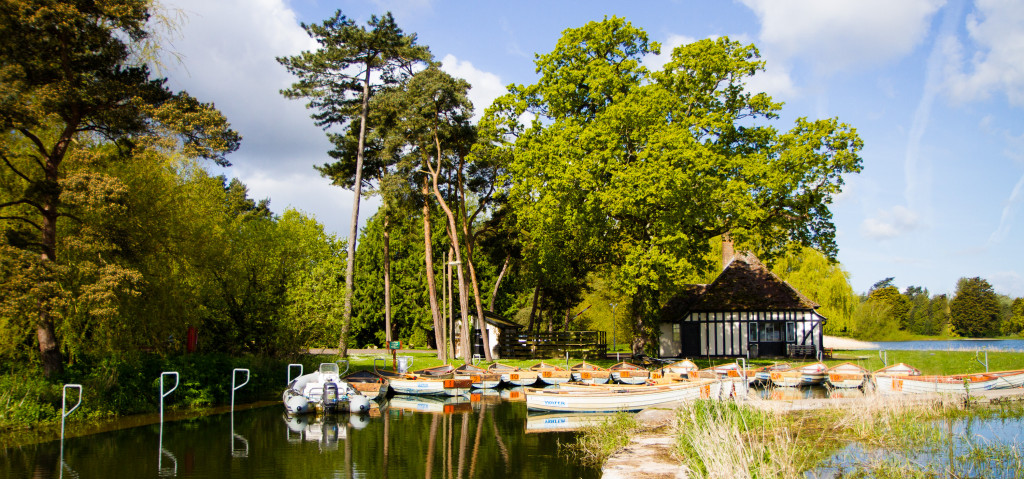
[
  {"x": 1015, "y": 325},
  {"x": 897, "y": 304},
  {"x": 825, "y": 282},
  {"x": 639, "y": 170},
  {"x": 873, "y": 320},
  {"x": 974, "y": 311}
]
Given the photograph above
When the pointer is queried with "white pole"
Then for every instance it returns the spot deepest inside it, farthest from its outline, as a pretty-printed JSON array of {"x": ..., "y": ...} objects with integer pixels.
[
  {"x": 234, "y": 388},
  {"x": 63, "y": 414}
]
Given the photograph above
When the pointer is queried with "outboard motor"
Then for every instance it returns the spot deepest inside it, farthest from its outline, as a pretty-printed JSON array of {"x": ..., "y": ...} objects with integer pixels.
[{"x": 329, "y": 399}]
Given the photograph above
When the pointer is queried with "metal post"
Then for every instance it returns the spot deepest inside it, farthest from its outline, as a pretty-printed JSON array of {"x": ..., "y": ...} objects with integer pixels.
[
  {"x": 165, "y": 394},
  {"x": 290, "y": 366},
  {"x": 884, "y": 356},
  {"x": 977, "y": 358},
  {"x": 743, "y": 376},
  {"x": 161, "y": 451},
  {"x": 234, "y": 377},
  {"x": 65, "y": 413}
]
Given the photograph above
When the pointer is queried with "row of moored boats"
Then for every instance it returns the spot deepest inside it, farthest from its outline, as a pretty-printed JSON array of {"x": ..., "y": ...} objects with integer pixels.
[{"x": 625, "y": 386}]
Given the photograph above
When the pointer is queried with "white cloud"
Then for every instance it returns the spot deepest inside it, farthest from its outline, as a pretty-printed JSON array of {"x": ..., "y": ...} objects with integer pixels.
[
  {"x": 229, "y": 49},
  {"x": 657, "y": 62},
  {"x": 841, "y": 35},
  {"x": 891, "y": 223},
  {"x": 1006, "y": 219},
  {"x": 486, "y": 86},
  {"x": 996, "y": 29}
]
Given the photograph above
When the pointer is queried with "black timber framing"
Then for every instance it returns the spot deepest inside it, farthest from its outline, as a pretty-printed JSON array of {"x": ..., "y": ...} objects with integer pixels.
[{"x": 728, "y": 336}]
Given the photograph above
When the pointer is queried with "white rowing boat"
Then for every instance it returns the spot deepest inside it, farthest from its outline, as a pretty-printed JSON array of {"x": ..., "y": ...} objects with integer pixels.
[
  {"x": 606, "y": 398},
  {"x": 629, "y": 373},
  {"x": 808, "y": 375},
  {"x": 884, "y": 378},
  {"x": 438, "y": 381},
  {"x": 550, "y": 374},
  {"x": 590, "y": 373},
  {"x": 846, "y": 376},
  {"x": 480, "y": 378}
]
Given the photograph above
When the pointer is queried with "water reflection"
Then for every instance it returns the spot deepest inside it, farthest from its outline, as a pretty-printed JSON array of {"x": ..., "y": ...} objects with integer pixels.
[{"x": 468, "y": 437}]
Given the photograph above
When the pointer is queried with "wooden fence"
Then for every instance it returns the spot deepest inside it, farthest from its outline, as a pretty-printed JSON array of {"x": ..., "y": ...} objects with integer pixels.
[{"x": 579, "y": 344}]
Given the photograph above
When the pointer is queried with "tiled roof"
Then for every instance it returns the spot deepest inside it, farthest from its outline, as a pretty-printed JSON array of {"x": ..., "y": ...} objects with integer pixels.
[{"x": 744, "y": 285}]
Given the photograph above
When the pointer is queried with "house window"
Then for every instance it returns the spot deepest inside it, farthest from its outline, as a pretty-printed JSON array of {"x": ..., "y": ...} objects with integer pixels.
[
  {"x": 790, "y": 332},
  {"x": 676, "y": 335},
  {"x": 752, "y": 332},
  {"x": 770, "y": 332}
]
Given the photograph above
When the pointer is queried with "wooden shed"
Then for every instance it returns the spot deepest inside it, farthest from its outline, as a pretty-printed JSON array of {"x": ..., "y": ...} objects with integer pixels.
[{"x": 747, "y": 311}]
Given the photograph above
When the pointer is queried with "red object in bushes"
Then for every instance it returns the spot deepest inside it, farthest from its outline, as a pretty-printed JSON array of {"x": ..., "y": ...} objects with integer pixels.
[{"x": 193, "y": 340}]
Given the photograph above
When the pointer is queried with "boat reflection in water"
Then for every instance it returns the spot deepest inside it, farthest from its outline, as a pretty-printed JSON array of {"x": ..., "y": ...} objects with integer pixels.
[{"x": 562, "y": 422}]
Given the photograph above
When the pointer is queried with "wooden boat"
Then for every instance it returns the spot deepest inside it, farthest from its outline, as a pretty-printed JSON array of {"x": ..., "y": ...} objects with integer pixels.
[
  {"x": 480, "y": 378},
  {"x": 549, "y": 374},
  {"x": 808, "y": 375},
  {"x": 438, "y": 381},
  {"x": 514, "y": 375},
  {"x": 1009, "y": 379},
  {"x": 883, "y": 378},
  {"x": 629, "y": 373},
  {"x": 606, "y": 398},
  {"x": 846, "y": 375},
  {"x": 763, "y": 374},
  {"x": 589, "y": 373},
  {"x": 678, "y": 370},
  {"x": 952, "y": 384},
  {"x": 368, "y": 383}
]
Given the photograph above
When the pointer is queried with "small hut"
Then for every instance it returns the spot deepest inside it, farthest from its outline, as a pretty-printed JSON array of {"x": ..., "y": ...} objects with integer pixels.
[
  {"x": 747, "y": 311},
  {"x": 501, "y": 334}
]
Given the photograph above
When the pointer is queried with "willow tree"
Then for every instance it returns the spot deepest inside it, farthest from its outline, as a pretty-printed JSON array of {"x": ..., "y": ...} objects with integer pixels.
[
  {"x": 639, "y": 170},
  {"x": 338, "y": 79},
  {"x": 68, "y": 75}
]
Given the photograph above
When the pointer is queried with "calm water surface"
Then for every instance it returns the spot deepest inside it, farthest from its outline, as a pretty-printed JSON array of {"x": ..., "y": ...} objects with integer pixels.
[
  {"x": 414, "y": 437},
  {"x": 954, "y": 345}
]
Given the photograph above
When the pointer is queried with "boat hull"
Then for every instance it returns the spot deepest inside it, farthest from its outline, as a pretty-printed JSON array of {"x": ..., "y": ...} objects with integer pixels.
[
  {"x": 611, "y": 399},
  {"x": 431, "y": 387}
]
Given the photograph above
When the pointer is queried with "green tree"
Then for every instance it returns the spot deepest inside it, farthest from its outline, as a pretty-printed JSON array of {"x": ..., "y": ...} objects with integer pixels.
[
  {"x": 641, "y": 170},
  {"x": 824, "y": 281},
  {"x": 1015, "y": 325},
  {"x": 974, "y": 311},
  {"x": 898, "y": 305},
  {"x": 338, "y": 80},
  {"x": 68, "y": 74},
  {"x": 872, "y": 320}
]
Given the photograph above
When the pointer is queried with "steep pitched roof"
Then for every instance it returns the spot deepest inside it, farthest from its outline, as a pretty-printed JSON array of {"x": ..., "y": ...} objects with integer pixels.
[{"x": 744, "y": 285}]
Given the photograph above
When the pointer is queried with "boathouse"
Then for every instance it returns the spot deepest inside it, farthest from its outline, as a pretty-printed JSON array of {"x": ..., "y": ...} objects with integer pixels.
[{"x": 747, "y": 311}]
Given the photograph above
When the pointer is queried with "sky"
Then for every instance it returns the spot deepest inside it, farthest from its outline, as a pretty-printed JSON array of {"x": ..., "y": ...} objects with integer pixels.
[{"x": 935, "y": 88}]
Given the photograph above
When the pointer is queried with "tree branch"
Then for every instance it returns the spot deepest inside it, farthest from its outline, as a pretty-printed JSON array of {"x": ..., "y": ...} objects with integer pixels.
[
  {"x": 23, "y": 201},
  {"x": 15, "y": 170},
  {"x": 20, "y": 218},
  {"x": 35, "y": 140}
]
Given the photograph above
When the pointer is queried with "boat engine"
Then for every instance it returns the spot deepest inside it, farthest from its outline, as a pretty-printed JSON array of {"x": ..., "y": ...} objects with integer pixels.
[{"x": 329, "y": 398}]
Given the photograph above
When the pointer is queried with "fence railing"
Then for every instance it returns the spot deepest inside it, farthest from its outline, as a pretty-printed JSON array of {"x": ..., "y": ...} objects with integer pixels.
[{"x": 578, "y": 344}]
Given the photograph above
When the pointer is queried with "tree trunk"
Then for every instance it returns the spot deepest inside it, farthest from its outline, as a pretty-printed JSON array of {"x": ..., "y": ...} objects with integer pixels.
[
  {"x": 49, "y": 349},
  {"x": 387, "y": 276},
  {"x": 350, "y": 261},
  {"x": 435, "y": 314},
  {"x": 494, "y": 293},
  {"x": 453, "y": 233},
  {"x": 481, "y": 322},
  {"x": 533, "y": 309},
  {"x": 449, "y": 314},
  {"x": 645, "y": 320}
]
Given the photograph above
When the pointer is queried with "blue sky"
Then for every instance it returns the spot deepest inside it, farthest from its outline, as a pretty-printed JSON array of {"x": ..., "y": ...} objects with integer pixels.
[{"x": 935, "y": 88}]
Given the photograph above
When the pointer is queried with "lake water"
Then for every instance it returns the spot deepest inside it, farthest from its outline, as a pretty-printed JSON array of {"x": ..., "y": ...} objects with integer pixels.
[
  {"x": 479, "y": 437},
  {"x": 954, "y": 345},
  {"x": 972, "y": 447}
]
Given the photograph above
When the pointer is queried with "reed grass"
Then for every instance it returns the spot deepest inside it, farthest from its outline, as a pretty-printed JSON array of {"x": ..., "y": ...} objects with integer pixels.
[{"x": 600, "y": 441}]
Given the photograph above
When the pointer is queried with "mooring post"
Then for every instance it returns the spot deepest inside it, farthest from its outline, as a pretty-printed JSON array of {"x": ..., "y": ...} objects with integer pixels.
[
  {"x": 160, "y": 451},
  {"x": 65, "y": 413},
  {"x": 884, "y": 356},
  {"x": 234, "y": 379},
  {"x": 977, "y": 357}
]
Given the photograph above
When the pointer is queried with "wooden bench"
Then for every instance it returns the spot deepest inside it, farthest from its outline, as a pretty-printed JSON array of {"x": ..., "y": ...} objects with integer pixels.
[{"x": 808, "y": 351}]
